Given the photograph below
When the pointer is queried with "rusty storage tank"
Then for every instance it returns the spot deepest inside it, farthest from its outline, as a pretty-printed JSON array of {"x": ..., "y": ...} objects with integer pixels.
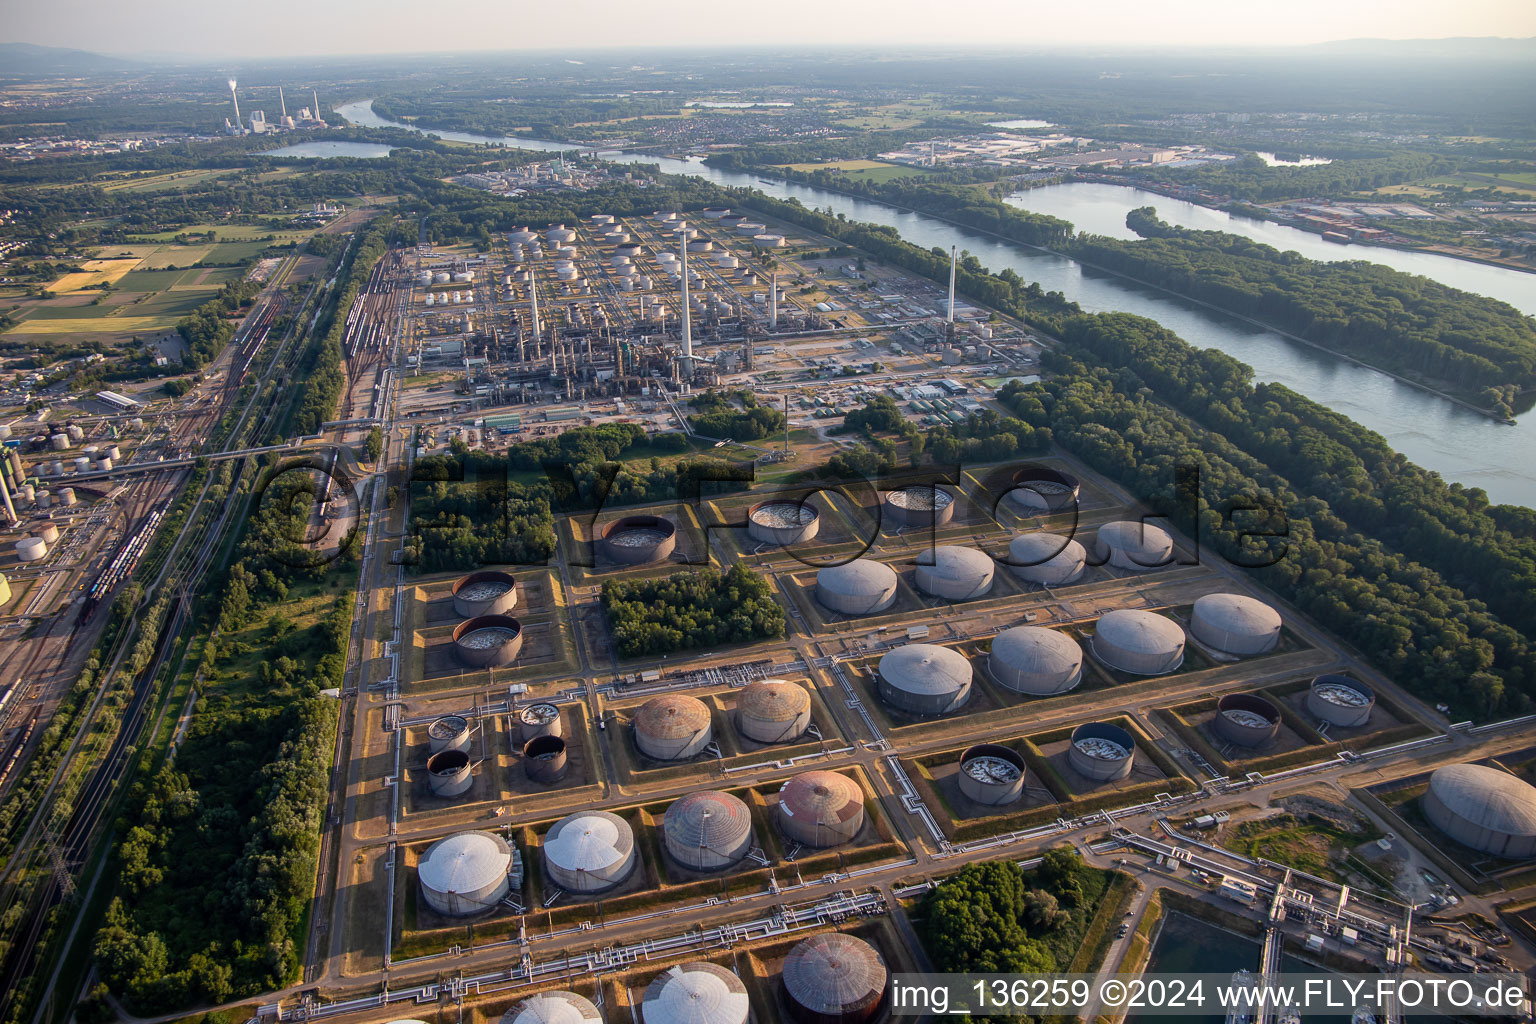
[
  {"x": 1046, "y": 558},
  {"x": 1235, "y": 624},
  {"x": 924, "y": 679},
  {"x": 773, "y": 711},
  {"x": 554, "y": 1007},
  {"x": 820, "y": 809},
  {"x": 1101, "y": 751},
  {"x": 919, "y": 505},
  {"x": 49, "y": 532},
  {"x": 1035, "y": 660},
  {"x": 1340, "y": 700},
  {"x": 468, "y": 873},
  {"x": 860, "y": 587},
  {"x": 1136, "y": 546},
  {"x": 488, "y": 641},
  {"x": 589, "y": 851},
  {"x": 1247, "y": 720},
  {"x": 783, "y": 522},
  {"x": 451, "y": 732},
  {"x": 1140, "y": 642},
  {"x": 834, "y": 978},
  {"x": 707, "y": 831},
  {"x": 449, "y": 773},
  {"x": 695, "y": 993},
  {"x": 638, "y": 540},
  {"x": 672, "y": 727},
  {"x": 1041, "y": 490},
  {"x": 485, "y": 593},
  {"x": 544, "y": 759},
  {"x": 954, "y": 573},
  {"x": 991, "y": 774},
  {"x": 534, "y": 720}
]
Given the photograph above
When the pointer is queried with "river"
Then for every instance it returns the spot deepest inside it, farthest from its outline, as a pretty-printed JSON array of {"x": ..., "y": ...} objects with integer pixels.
[{"x": 1439, "y": 435}]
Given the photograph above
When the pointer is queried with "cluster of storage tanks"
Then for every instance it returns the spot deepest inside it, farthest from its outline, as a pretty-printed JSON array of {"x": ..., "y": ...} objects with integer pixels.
[
  {"x": 676, "y": 727},
  {"x": 488, "y": 637}
]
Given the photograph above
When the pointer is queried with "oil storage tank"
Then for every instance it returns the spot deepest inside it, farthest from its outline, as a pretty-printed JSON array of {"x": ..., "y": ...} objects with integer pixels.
[
  {"x": 1041, "y": 490},
  {"x": 783, "y": 522},
  {"x": 589, "y": 851},
  {"x": 450, "y": 773},
  {"x": 1035, "y": 660},
  {"x": 1340, "y": 700},
  {"x": 954, "y": 573},
  {"x": 1136, "y": 546},
  {"x": 672, "y": 727},
  {"x": 1484, "y": 808},
  {"x": 488, "y": 641},
  {"x": 468, "y": 872},
  {"x": 30, "y": 549},
  {"x": 553, "y": 1007},
  {"x": 637, "y": 540},
  {"x": 451, "y": 732},
  {"x": 833, "y": 978},
  {"x": 1101, "y": 751},
  {"x": 707, "y": 831},
  {"x": 695, "y": 993},
  {"x": 535, "y": 720},
  {"x": 860, "y": 587},
  {"x": 1046, "y": 558},
  {"x": 1235, "y": 624},
  {"x": 991, "y": 774},
  {"x": 924, "y": 679},
  {"x": 919, "y": 505},
  {"x": 545, "y": 759},
  {"x": 1247, "y": 720},
  {"x": 484, "y": 593},
  {"x": 773, "y": 711},
  {"x": 820, "y": 809},
  {"x": 1139, "y": 642}
]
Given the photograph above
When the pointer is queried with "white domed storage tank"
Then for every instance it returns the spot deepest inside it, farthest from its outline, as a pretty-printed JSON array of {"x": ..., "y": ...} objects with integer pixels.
[
  {"x": 1139, "y": 642},
  {"x": 820, "y": 809},
  {"x": 589, "y": 851},
  {"x": 468, "y": 872},
  {"x": 1136, "y": 546},
  {"x": 1036, "y": 660},
  {"x": 553, "y": 1007},
  {"x": 695, "y": 993},
  {"x": 707, "y": 831},
  {"x": 1046, "y": 558},
  {"x": 924, "y": 679},
  {"x": 954, "y": 573},
  {"x": 860, "y": 587},
  {"x": 1235, "y": 624},
  {"x": 773, "y": 711},
  {"x": 1484, "y": 808},
  {"x": 672, "y": 727}
]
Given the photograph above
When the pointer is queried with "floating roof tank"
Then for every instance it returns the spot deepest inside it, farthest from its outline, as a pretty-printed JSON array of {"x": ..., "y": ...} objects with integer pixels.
[
  {"x": 954, "y": 573},
  {"x": 834, "y": 978},
  {"x": 636, "y": 540},
  {"x": 545, "y": 760},
  {"x": 451, "y": 732},
  {"x": 484, "y": 593},
  {"x": 695, "y": 993},
  {"x": 924, "y": 679},
  {"x": 589, "y": 851},
  {"x": 1136, "y": 546},
  {"x": 707, "y": 831},
  {"x": 919, "y": 505},
  {"x": 488, "y": 640},
  {"x": 992, "y": 774},
  {"x": 554, "y": 1007},
  {"x": 672, "y": 727},
  {"x": 773, "y": 711},
  {"x": 1247, "y": 720},
  {"x": 1101, "y": 751},
  {"x": 1340, "y": 700},
  {"x": 534, "y": 720},
  {"x": 1035, "y": 660},
  {"x": 1484, "y": 808},
  {"x": 783, "y": 522},
  {"x": 860, "y": 587},
  {"x": 468, "y": 872},
  {"x": 449, "y": 773},
  {"x": 820, "y": 809},
  {"x": 1139, "y": 642},
  {"x": 1235, "y": 624},
  {"x": 1041, "y": 490}
]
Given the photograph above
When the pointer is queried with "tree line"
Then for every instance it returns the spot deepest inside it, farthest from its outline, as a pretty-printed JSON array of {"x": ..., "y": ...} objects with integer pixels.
[{"x": 690, "y": 610}]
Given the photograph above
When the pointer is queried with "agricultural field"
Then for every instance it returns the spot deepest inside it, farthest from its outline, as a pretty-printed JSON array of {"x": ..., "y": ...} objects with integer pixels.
[
  {"x": 863, "y": 170},
  {"x": 164, "y": 182},
  {"x": 890, "y": 117}
]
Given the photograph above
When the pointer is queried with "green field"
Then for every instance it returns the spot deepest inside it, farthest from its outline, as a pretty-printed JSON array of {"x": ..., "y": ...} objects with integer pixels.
[
  {"x": 165, "y": 182},
  {"x": 863, "y": 170}
]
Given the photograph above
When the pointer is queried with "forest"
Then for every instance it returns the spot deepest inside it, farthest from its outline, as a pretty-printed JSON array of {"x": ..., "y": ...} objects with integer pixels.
[
  {"x": 716, "y": 415},
  {"x": 690, "y": 610},
  {"x": 1400, "y": 322},
  {"x": 208, "y": 328}
]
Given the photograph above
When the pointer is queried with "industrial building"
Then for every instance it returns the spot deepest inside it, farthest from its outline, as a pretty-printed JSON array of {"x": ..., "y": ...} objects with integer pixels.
[
  {"x": 860, "y": 587},
  {"x": 695, "y": 993},
  {"x": 1133, "y": 545},
  {"x": 992, "y": 774},
  {"x": 553, "y": 1007},
  {"x": 833, "y": 978},
  {"x": 468, "y": 873},
  {"x": 820, "y": 809},
  {"x": 1340, "y": 700},
  {"x": 924, "y": 679},
  {"x": 1484, "y": 808},
  {"x": 1139, "y": 642},
  {"x": 707, "y": 831},
  {"x": 1046, "y": 558},
  {"x": 672, "y": 727},
  {"x": 954, "y": 573},
  {"x": 1035, "y": 660},
  {"x": 589, "y": 851},
  {"x": 773, "y": 711},
  {"x": 1235, "y": 624}
]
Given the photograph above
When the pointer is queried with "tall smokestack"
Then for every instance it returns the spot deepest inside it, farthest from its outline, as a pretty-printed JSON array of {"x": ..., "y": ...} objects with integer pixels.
[
  {"x": 533, "y": 307},
  {"x": 237, "y": 101},
  {"x": 282, "y": 103},
  {"x": 953, "y": 258},
  {"x": 316, "y": 94},
  {"x": 687, "y": 312},
  {"x": 773, "y": 301},
  {"x": 5, "y": 494}
]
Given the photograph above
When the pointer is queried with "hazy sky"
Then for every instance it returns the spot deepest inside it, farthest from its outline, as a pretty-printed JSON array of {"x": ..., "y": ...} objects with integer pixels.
[{"x": 216, "y": 28}]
